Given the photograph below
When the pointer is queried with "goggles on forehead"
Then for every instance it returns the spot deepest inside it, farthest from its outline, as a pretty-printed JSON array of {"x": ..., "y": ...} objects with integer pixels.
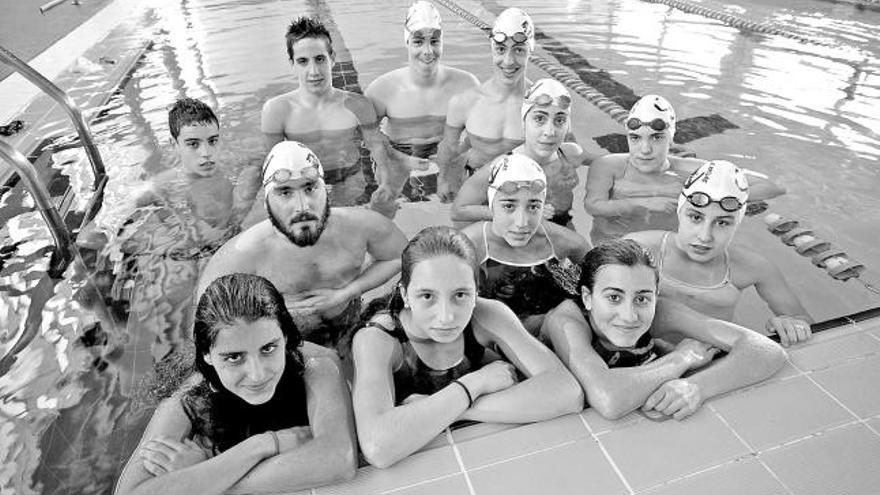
[
  {"x": 512, "y": 186},
  {"x": 285, "y": 174},
  {"x": 543, "y": 99},
  {"x": 500, "y": 37},
  {"x": 657, "y": 124},
  {"x": 729, "y": 204}
]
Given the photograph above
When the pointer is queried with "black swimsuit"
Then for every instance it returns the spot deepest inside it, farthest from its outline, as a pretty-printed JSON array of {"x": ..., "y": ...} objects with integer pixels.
[{"x": 414, "y": 376}]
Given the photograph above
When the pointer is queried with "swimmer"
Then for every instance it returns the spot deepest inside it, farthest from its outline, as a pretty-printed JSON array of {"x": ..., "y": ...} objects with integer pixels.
[
  {"x": 546, "y": 119},
  {"x": 313, "y": 253},
  {"x": 700, "y": 268},
  {"x": 524, "y": 262},
  {"x": 638, "y": 190},
  {"x": 606, "y": 337},
  {"x": 184, "y": 215},
  {"x": 260, "y": 412},
  {"x": 413, "y": 99},
  {"x": 330, "y": 121},
  {"x": 439, "y": 354},
  {"x": 490, "y": 113}
]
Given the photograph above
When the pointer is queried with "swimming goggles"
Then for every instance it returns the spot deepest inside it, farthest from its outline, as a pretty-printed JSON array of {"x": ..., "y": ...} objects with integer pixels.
[
  {"x": 543, "y": 99},
  {"x": 500, "y": 37},
  {"x": 512, "y": 186},
  {"x": 657, "y": 124},
  {"x": 283, "y": 175},
  {"x": 701, "y": 200}
]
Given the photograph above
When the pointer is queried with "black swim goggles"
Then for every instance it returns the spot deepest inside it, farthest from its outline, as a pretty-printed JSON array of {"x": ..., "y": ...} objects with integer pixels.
[
  {"x": 729, "y": 204},
  {"x": 283, "y": 175},
  {"x": 543, "y": 99},
  {"x": 512, "y": 186},
  {"x": 500, "y": 37},
  {"x": 657, "y": 124}
]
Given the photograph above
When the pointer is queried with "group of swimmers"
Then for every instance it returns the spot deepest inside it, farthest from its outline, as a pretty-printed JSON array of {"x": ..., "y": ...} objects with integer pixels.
[{"x": 514, "y": 318}]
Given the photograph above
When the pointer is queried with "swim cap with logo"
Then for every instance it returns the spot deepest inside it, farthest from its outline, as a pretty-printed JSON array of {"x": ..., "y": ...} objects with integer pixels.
[
  {"x": 517, "y": 168},
  {"x": 513, "y": 21},
  {"x": 544, "y": 92},
  {"x": 421, "y": 15},
  {"x": 717, "y": 179},
  {"x": 290, "y": 160},
  {"x": 651, "y": 107}
]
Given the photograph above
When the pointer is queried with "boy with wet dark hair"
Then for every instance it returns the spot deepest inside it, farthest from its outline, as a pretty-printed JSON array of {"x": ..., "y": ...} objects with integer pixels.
[
  {"x": 189, "y": 111},
  {"x": 306, "y": 27}
]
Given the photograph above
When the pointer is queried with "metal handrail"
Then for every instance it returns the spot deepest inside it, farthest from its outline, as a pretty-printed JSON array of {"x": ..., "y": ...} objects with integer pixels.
[
  {"x": 82, "y": 128},
  {"x": 63, "y": 253}
]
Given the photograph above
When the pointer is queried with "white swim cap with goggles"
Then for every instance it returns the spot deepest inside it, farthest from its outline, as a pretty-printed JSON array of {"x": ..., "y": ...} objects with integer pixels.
[
  {"x": 290, "y": 160},
  {"x": 546, "y": 92},
  {"x": 515, "y": 24},
  {"x": 719, "y": 182},
  {"x": 513, "y": 172},
  {"x": 421, "y": 15},
  {"x": 652, "y": 111}
]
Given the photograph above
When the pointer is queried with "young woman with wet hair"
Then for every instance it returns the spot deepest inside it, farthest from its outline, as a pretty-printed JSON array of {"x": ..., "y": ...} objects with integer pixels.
[
  {"x": 261, "y": 412},
  {"x": 421, "y": 364},
  {"x": 606, "y": 338}
]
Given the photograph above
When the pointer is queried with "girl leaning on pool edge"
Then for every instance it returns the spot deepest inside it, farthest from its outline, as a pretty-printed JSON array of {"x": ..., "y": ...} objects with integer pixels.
[
  {"x": 262, "y": 412},
  {"x": 418, "y": 366},
  {"x": 606, "y": 339}
]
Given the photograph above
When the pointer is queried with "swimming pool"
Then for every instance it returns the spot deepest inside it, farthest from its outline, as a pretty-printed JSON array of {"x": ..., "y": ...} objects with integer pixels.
[{"x": 803, "y": 114}]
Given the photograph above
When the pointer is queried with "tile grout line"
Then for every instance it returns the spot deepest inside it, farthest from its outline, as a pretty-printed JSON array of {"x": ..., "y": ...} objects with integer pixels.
[
  {"x": 750, "y": 448},
  {"x": 840, "y": 403},
  {"x": 614, "y": 466},
  {"x": 522, "y": 456},
  {"x": 458, "y": 459}
]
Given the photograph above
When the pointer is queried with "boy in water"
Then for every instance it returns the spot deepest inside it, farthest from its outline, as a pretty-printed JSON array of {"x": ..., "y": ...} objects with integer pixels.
[{"x": 331, "y": 121}]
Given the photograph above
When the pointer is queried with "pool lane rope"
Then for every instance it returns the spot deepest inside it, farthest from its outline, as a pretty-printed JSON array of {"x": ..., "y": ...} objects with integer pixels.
[
  {"x": 572, "y": 82},
  {"x": 747, "y": 24}
]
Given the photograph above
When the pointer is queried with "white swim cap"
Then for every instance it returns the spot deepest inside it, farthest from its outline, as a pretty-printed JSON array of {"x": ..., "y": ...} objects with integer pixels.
[
  {"x": 650, "y": 108},
  {"x": 513, "y": 21},
  {"x": 290, "y": 160},
  {"x": 544, "y": 92},
  {"x": 421, "y": 15},
  {"x": 719, "y": 182},
  {"x": 516, "y": 168}
]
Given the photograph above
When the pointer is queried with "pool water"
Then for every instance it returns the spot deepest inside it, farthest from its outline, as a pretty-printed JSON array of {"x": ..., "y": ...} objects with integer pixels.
[{"x": 804, "y": 114}]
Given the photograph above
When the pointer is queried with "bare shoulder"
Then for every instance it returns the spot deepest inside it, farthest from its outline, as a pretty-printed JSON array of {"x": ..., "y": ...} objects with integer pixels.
[
  {"x": 363, "y": 220},
  {"x": 386, "y": 84},
  {"x": 360, "y": 106},
  {"x": 570, "y": 148},
  {"x": 567, "y": 241},
  {"x": 611, "y": 163},
  {"x": 279, "y": 103},
  {"x": 749, "y": 266},
  {"x": 461, "y": 79},
  {"x": 687, "y": 165}
]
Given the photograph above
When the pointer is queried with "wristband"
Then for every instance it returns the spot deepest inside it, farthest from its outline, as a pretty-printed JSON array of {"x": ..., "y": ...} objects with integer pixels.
[
  {"x": 466, "y": 391},
  {"x": 275, "y": 439}
]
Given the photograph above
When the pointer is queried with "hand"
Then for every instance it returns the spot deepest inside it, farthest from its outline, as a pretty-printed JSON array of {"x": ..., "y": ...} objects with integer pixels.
[
  {"x": 549, "y": 211},
  {"x": 495, "y": 376},
  {"x": 696, "y": 354},
  {"x": 413, "y": 398},
  {"x": 164, "y": 455},
  {"x": 678, "y": 398},
  {"x": 292, "y": 438},
  {"x": 791, "y": 330},
  {"x": 659, "y": 204},
  {"x": 320, "y": 300}
]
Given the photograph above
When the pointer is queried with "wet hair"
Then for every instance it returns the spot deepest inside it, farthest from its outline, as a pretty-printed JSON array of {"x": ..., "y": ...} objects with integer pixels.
[
  {"x": 306, "y": 27},
  {"x": 432, "y": 242},
  {"x": 189, "y": 111},
  {"x": 246, "y": 297},
  {"x": 626, "y": 252}
]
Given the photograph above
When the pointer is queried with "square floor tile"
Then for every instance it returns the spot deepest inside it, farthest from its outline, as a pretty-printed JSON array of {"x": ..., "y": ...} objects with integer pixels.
[
  {"x": 453, "y": 485},
  {"x": 477, "y": 430},
  {"x": 521, "y": 440},
  {"x": 842, "y": 461},
  {"x": 745, "y": 476},
  {"x": 419, "y": 467},
  {"x": 779, "y": 412},
  {"x": 575, "y": 468},
  {"x": 832, "y": 352},
  {"x": 649, "y": 453},
  {"x": 856, "y": 384}
]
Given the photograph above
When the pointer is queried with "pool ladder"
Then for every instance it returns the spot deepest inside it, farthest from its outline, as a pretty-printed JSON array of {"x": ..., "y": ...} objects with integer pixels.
[{"x": 62, "y": 255}]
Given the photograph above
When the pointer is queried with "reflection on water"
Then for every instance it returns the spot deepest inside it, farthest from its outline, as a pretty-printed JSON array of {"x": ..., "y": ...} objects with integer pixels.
[{"x": 66, "y": 414}]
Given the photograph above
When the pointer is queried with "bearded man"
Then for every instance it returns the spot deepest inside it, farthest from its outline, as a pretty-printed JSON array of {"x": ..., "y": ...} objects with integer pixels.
[{"x": 315, "y": 255}]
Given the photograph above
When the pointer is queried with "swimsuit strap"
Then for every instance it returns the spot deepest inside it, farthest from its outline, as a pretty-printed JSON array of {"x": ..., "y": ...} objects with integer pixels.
[
  {"x": 662, "y": 253},
  {"x": 549, "y": 241},
  {"x": 724, "y": 281},
  {"x": 485, "y": 243}
]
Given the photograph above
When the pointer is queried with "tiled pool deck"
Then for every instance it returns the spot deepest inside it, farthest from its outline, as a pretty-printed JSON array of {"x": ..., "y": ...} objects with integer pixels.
[{"x": 814, "y": 428}]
